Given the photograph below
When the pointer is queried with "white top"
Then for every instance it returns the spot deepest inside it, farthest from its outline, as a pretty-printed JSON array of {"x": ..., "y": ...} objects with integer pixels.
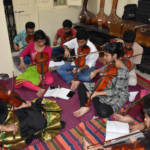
[{"x": 91, "y": 58}]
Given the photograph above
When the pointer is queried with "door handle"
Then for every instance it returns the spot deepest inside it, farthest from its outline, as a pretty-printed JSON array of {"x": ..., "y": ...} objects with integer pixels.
[{"x": 20, "y": 11}]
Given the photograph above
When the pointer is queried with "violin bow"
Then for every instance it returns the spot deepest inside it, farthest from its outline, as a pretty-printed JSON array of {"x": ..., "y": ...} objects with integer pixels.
[
  {"x": 42, "y": 69},
  {"x": 89, "y": 99},
  {"x": 105, "y": 145},
  {"x": 77, "y": 67},
  {"x": 133, "y": 104},
  {"x": 13, "y": 111}
]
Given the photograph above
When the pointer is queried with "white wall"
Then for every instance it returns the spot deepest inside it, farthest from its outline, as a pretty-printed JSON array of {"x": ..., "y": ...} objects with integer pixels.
[
  {"x": 51, "y": 19},
  {"x": 93, "y": 5},
  {"x": 6, "y": 63}
]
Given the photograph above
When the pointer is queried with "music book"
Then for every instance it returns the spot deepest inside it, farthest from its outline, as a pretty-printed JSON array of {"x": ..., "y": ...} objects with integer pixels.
[
  {"x": 56, "y": 64},
  {"x": 115, "y": 129},
  {"x": 62, "y": 93}
]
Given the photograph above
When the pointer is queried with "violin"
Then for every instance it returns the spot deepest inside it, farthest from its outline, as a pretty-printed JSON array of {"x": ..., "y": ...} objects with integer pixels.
[
  {"x": 109, "y": 72},
  {"x": 84, "y": 51},
  {"x": 81, "y": 59},
  {"x": 29, "y": 38},
  {"x": 123, "y": 142},
  {"x": 126, "y": 58},
  {"x": 68, "y": 36},
  {"x": 41, "y": 60},
  {"x": 125, "y": 112},
  {"x": 126, "y": 146},
  {"x": 128, "y": 52},
  {"x": 129, "y": 146},
  {"x": 10, "y": 97}
]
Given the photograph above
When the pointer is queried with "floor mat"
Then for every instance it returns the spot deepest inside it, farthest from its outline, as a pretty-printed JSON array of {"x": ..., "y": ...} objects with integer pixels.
[{"x": 143, "y": 82}]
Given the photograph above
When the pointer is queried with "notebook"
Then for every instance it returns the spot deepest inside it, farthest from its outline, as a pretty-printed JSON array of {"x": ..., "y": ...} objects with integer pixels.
[{"x": 62, "y": 93}]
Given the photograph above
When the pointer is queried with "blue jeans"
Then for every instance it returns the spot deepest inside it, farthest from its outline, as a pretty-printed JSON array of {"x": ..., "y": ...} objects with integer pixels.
[
  {"x": 57, "y": 51},
  {"x": 65, "y": 71},
  {"x": 27, "y": 60}
]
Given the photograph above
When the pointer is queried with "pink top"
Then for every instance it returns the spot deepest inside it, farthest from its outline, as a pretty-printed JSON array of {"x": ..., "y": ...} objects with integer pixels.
[
  {"x": 61, "y": 35},
  {"x": 30, "y": 50}
]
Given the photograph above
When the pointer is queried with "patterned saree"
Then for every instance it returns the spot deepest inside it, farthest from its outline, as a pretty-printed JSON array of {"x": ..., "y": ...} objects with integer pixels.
[{"x": 50, "y": 113}]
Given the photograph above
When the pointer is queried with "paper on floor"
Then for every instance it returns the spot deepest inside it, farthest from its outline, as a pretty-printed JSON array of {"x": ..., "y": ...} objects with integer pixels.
[{"x": 115, "y": 129}]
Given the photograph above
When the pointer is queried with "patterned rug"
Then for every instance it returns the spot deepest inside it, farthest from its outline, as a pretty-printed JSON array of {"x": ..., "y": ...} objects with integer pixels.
[
  {"x": 143, "y": 82},
  {"x": 70, "y": 136},
  {"x": 93, "y": 131}
]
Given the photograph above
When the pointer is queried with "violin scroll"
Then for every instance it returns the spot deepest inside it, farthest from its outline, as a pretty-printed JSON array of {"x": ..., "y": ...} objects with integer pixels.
[{"x": 29, "y": 38}]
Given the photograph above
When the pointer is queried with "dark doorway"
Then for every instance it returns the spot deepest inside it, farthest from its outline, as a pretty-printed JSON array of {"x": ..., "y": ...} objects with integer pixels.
[{"x": 10, "y": 19}]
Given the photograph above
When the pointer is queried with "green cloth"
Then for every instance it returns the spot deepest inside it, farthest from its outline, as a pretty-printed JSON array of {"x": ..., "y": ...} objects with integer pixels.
[{"x": 30, "y": 74}]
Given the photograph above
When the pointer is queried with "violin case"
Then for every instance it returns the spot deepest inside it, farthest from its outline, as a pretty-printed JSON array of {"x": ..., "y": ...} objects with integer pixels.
[
  {"x": 143, "y": 11},
  {"x": 130, "y": 12}
]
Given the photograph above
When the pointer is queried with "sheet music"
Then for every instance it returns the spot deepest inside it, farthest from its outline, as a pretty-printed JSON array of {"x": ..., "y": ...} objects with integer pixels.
[
  {"x": 56, "y": 64},
  {"x": 115, "y": 129},
  {"x": 136, "y": 136},
  {"x": 57, "y": 93},
  {"x": 133, "y": 95}
]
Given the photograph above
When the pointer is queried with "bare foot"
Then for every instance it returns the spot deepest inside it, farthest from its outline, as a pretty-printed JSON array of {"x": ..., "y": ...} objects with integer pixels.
[
  {"x": 40, "y": 92},
  {"x": 122, "y": 118},
  {"x": 85, "y": 144},
  {"x": 80, "y": 112},
  {"x": 74, "y": 85},
  {"x": 23, "y": 105}
]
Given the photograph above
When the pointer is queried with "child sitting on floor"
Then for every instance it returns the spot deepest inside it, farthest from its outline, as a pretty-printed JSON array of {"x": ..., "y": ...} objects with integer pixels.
[{"x": 115, "y": 93}]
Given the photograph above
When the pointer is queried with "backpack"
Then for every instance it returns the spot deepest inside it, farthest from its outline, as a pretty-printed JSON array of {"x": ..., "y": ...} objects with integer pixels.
[{"x": 130, "y": 12}]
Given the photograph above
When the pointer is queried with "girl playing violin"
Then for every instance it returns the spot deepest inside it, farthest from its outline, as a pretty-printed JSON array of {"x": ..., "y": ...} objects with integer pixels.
[
  {"x": 113, "y": 96},
  {"x": 31, "y": 78},
  {"x": 140, "y": 143}
]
